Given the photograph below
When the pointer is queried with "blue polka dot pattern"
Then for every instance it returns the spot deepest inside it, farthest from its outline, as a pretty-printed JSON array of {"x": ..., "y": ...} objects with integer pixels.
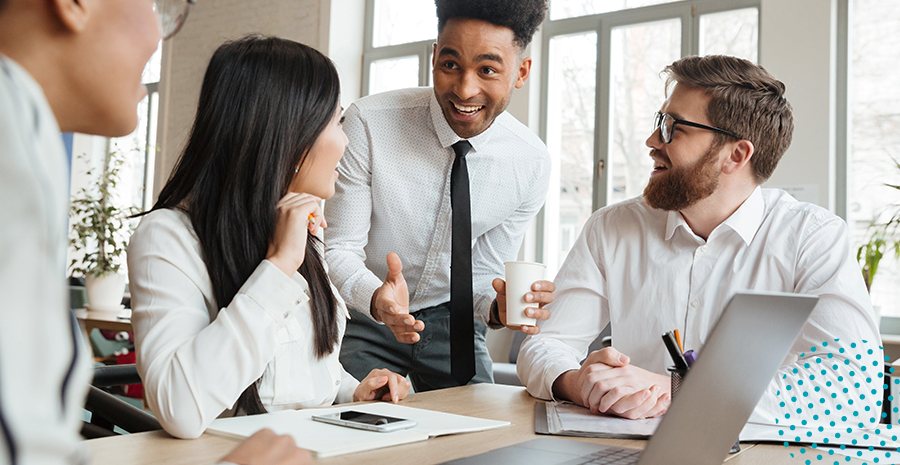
[{"x": 807, "y": 396}]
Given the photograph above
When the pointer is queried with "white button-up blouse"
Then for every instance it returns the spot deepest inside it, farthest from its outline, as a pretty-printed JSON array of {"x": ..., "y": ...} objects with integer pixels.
[{"x": 196, "y": 359}]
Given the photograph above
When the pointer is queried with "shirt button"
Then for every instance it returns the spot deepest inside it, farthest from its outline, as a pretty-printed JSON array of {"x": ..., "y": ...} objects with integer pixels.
[
  {"x": 703, "y": 248},
  {"x": 299, "y": 301},
  {"x": 337, "y": 382},
  {"x": 695, "y": 303},
  {"x": 286, "y": 314}
]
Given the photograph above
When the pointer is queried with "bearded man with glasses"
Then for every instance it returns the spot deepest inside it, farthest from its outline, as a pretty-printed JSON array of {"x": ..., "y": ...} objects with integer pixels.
[
  {"x": 703, "y": 230},
  {"x": 73, "y": 66}
]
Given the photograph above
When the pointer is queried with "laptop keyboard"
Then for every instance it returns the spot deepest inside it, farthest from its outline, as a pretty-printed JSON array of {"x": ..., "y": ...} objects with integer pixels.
[{"x": 612, "y": 456}]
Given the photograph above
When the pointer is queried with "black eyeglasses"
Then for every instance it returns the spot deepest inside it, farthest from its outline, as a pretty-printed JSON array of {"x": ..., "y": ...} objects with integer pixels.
[
  {"x": 171, "y": 15},
  {"x": 666, "y": 125}
]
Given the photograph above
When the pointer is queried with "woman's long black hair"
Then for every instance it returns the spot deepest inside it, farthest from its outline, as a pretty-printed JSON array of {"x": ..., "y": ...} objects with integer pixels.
[{"x": 263, "y": 103}]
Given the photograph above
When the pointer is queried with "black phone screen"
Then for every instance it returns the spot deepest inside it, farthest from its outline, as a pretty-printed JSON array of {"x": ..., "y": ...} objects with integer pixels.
[{"x": 368, "y": 418}]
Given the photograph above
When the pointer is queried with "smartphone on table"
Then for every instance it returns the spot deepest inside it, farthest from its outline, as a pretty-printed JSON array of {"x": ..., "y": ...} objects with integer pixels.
[{"x": 366, "y": 421}]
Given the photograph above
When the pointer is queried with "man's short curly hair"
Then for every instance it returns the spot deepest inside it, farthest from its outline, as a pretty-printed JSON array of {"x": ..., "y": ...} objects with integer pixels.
[{"x": 522, "y": 16}]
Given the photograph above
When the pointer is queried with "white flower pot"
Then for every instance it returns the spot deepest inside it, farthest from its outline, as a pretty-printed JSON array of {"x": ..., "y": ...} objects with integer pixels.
[{"x": 104, "y": 293}]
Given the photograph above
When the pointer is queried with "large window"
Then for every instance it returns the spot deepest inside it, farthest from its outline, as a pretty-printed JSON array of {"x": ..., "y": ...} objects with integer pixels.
[
  {"x": 139, "y": 147},
  {"x": 138, "y": 150},
  {"x": 560, "y": 9},
  {"x": 601, "y": 87},
  {"x": 399, "y": 38},
  {"x": 874, "y": 136}
]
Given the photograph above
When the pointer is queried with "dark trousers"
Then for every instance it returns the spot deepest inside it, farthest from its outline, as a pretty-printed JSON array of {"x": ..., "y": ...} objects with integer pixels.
[{"x": 368, "y": 345}]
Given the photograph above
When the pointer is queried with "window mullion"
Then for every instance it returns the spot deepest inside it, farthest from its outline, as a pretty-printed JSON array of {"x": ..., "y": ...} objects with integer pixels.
[{"x": 602, "y": 117}]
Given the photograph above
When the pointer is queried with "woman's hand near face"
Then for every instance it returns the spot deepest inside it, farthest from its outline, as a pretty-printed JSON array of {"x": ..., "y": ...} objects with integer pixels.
[
  {"x": 382, "y": 384},
  {"x": 298, "y": 215}
]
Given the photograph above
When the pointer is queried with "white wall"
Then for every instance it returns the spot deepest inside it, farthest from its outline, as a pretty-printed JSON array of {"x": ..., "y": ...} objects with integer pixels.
[
  {"x": 798, "y": 46},
  {"x": 341, "y": 38},
  {"x": 186, "y": 55}
]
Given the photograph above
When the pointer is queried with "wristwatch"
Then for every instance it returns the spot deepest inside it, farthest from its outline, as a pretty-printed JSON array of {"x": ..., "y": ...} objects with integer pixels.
[{"x": 495, "y": 316}]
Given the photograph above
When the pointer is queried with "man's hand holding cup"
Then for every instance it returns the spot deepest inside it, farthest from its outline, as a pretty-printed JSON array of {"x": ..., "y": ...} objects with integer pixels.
[{"x": 521, "y": 298}]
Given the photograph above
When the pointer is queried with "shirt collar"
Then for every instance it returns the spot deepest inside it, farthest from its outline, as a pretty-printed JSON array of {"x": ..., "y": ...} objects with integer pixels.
[
  {"x": 748, "y": 217},
  {"x": 673, "y": 221},
  {"x": 447, "y": 137},
  {"x": 745, "y": 220}
]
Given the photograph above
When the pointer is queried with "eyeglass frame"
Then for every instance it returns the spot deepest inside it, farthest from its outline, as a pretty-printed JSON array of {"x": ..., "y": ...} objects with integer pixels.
[
  {"x": 187, "y": 9},
  {"x": 660, "y": 116}
]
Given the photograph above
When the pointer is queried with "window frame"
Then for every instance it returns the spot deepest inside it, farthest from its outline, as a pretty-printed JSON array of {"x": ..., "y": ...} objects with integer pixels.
[
  {"x": 421, "y": 49},
  {"x": 842, "y": 111},
  {"x": 689, "y": 12},
  {"x": 150, "y": 147}
]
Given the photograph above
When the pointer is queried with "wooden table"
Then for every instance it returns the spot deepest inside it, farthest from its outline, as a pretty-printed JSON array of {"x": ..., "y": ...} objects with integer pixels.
[
  {"x": 104, "y": 321},
  {"x": 497, "y": 402}
]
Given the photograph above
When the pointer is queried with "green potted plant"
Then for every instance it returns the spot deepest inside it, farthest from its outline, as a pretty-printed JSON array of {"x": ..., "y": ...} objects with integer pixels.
[
  {"x": 885, "y": 237},
  {"x": 99, "y": 235},
  {"x": 870, "y": 254}
]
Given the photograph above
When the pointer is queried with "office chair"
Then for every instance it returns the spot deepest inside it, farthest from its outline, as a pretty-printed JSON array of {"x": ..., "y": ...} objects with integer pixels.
[{"x": 108, "y": 411}]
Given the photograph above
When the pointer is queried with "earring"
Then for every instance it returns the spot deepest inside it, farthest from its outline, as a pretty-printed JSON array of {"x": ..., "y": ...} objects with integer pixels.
[{"x": 297, "y": 169}]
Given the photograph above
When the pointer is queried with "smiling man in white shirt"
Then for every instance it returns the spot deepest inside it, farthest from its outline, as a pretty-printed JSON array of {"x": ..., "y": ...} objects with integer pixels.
[
  {"x": 703, "y": 230},
  {"x": 394, "y": 195}
]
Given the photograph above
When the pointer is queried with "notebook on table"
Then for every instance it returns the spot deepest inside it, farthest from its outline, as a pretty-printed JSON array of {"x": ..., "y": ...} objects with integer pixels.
[{"x": 325, "y": 440}]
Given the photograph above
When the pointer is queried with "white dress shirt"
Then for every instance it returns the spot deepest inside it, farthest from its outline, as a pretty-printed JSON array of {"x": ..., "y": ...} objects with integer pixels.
[
  {"x": 393, "y": 195},
  {"x": 196, "y": 362},
  {"x": 44, "y": 371},
  {"x": 645, "y": 272}
]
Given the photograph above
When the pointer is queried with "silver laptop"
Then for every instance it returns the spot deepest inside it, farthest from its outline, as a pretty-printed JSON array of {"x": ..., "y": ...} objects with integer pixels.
[{"x": 746, "y": 347}]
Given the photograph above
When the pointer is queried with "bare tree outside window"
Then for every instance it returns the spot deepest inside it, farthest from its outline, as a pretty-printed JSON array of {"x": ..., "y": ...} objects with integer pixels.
[
  {"x": 570, "y": 140},
  {"x": 403, "y": 21},
  {"x": 139, "y": 147},
  {"x": 638, "y": 54},
  {"x": 734, "y": 33},
  {"x": 394, "y": 73},
  {"x": 874, "y": 133},
  {"x": 560, "y": 9}
]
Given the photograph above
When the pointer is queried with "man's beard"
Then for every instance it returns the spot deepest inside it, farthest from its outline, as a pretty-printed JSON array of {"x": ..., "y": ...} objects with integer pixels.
[{"x": 680, "y": 187}]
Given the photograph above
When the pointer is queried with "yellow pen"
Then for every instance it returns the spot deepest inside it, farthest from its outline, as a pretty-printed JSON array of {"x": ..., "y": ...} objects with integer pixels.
[{"x": 678, "y": 340}]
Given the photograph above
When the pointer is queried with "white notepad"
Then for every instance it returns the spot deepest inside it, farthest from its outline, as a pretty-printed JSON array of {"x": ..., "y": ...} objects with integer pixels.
[
  {"x": 568, "y": 419},
  {"x": 879, "y": 437},
  {"x": 325, "y": 440}
]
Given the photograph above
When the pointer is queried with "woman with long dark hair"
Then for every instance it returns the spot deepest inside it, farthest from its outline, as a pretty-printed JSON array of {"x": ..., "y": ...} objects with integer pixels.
[{"x": 232, "y": 308}]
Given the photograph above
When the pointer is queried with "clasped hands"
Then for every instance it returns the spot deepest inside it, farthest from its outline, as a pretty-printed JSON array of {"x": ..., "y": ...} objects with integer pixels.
[
  {"x": 390, "y": 304},
  {"x": 608, "y": 383}
]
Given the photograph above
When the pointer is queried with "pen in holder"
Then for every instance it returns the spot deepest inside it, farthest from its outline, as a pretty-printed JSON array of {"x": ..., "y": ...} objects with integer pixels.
[{"x": 677, "y": 376}]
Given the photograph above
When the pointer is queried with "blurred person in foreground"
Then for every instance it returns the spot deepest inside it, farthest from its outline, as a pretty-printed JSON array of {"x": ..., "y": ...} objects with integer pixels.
[{"x": 72, "y": 66}]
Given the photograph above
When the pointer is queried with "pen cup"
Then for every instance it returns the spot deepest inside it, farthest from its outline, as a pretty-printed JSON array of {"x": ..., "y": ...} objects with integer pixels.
[{"x": 677, "y": 377}]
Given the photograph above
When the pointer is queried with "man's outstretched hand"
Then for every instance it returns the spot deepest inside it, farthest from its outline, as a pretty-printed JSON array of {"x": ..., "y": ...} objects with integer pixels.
[{"x": 390, "y": 304}]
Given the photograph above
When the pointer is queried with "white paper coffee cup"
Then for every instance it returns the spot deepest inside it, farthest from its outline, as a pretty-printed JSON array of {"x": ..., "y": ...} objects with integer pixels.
[{"x": 520, "y": 276}]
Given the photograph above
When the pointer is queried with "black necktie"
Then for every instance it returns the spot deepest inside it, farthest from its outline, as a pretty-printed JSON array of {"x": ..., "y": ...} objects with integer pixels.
[{"x": 462, "y": 326}]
